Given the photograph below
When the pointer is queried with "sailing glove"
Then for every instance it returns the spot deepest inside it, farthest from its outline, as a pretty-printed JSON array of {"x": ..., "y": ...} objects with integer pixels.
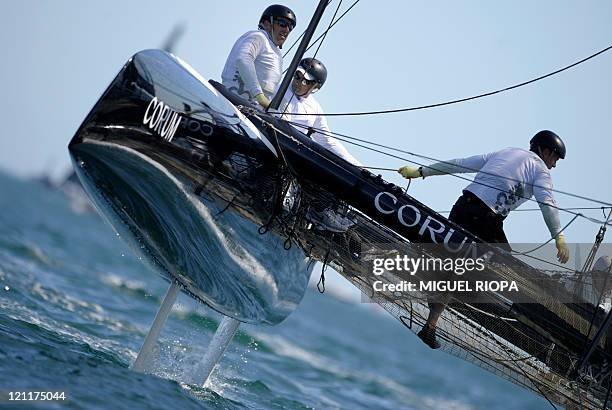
[
  {"x": 562, "y": 249},
  {"x": 409, "y": 172},
  {"x": 262, "y": 100}
]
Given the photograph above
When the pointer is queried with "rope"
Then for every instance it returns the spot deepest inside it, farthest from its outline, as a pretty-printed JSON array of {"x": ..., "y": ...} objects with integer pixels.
[
  {"x": 336, "y": 135},
  {"x": 297, "y": 40},
  {"x": 318, "y": 38},
  {"x": 327, "y": 31},
  {"x": 321, "y": 283},
  {"x": 563, "y": 268},
  {"x": 583, "y": 208},
  {"x": 230, "y": 203},
  {"x": 542, "y": 245},
  {"x": 407, "y": 186},
  {"x": 280, "y": 149},
  {"x": 293, "y": 95},
  {"x": 594, "y": 220},
  {"x": 461, "y": 100},
  {"x": 578, "y": 208}
]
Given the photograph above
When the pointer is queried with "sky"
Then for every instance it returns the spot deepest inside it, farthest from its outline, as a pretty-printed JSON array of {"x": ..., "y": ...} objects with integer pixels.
[{"x": 60, "y": 55}]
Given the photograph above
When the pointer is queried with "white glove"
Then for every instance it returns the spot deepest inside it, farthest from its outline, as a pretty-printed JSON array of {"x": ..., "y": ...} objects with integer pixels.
[
  {"x": 262, "y": 100},
  {"x": 410, "y": 172},
  {"x": 563, "y": 252}
]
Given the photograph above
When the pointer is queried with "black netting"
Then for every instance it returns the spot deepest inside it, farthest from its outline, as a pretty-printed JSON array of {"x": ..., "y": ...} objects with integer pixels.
[{"x": 534, "y": 345}]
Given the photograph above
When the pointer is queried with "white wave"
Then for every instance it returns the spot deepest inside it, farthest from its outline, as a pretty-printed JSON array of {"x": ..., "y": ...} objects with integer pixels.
[
  {"x": 16, "y": 311},
  {"x": 117, "y": 281}
]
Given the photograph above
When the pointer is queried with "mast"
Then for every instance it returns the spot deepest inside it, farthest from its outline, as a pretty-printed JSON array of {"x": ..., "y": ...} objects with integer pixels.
[{"x": 316, "y": 17}]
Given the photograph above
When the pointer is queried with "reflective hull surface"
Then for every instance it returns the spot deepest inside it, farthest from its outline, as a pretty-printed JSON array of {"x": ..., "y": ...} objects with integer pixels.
[{"x": 147, "y": 156}]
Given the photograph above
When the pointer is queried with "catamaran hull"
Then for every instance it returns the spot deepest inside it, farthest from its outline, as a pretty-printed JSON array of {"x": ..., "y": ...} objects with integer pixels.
[{"x": 139, "y": 162}]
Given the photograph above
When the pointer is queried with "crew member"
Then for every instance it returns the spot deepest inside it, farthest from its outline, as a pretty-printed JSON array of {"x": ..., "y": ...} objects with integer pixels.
[
  {"x": 505, "y": 179},
  {"x": 254, "y": 66},
  {"x": 308, "y": 79}
]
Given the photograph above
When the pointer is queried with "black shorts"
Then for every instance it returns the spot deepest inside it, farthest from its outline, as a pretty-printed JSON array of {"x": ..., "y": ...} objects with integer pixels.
[{"x": 475, "y": 216}]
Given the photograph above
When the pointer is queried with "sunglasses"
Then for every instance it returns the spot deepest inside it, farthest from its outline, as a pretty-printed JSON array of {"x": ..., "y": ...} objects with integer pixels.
[
  {"x": 284, "y": 23},
  {"x": 298, "y": 76}
]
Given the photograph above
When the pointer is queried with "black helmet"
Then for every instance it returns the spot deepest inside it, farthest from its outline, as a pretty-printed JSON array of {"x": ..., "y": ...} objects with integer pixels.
[
  {"x": 550, "y": 140},
  {"x": 277, "y": 10},
  {"x": 314, "y": 70}
]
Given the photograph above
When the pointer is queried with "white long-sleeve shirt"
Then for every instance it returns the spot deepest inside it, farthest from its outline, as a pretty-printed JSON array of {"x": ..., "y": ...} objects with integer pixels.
[
  {"x": 505, "y": 180},
  {"x": 254, "y": 65},
  {"x": 293, "y": 104}
]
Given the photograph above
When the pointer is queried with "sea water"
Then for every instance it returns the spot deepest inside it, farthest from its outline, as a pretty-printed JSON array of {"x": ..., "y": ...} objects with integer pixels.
[{"x": 75, "y": 306}]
